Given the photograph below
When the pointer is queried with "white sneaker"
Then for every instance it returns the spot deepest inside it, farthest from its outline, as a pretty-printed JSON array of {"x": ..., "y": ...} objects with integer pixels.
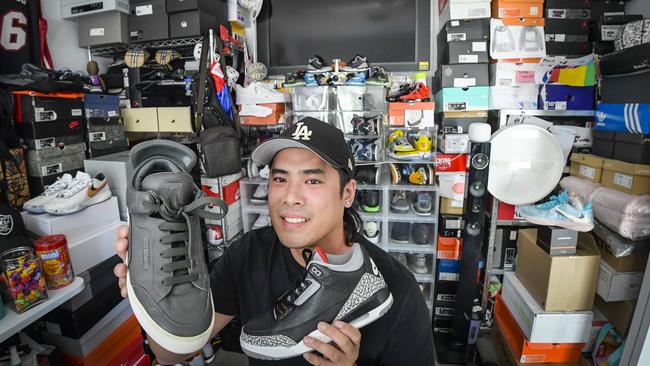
[
  {"x": 258, "y": 93},
  {"x": 371, "y": 231},
  {"x": 417, "y": 263},
  {"x": 261, "y": 195},
  {"x": 35, "y": 205},
  {"x": 82, "y": 192},
  {"x": 262, "y": 221}
]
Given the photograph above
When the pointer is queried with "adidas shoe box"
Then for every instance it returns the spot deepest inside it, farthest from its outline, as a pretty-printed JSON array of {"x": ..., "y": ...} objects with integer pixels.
[
  {"x": 78, "y": 227},
  {"x": 461, "y": 76},
  {"x": 192, "y": 23},
  {"x": 114, "y": 167},
  {"x": 463, "y": 99},
  {"x": 96, "y": 279},
  {"x": 562, "y": 97},
  {"x": 103, "y": 29},
  {"x": 505, "y": 248},
  {"x": 148, "y": 21}
]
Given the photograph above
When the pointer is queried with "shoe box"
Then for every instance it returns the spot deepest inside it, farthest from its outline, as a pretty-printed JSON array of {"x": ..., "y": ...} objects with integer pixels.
[
  {"x": 450, "y": 164},
  {"x": 524, "y": 349},
  {"x": 102, "y": 29},
  {"x": 462, "y": 10},
  {"x": 626, "y": 88},
  {"x": 513, "y": 38},
  {"x": 625, "y": 61},
  {"x": 448, "y": 270},
  {"x": 114, "y": 167},
  {"x": 505, "y": 211},
  {"x": 191, "y": 23},
  {"x": 467, "y": 30},
  {"x": 563, "y": 97},
  {"x": 603, "y": 144},
  {"x": 450, "y": 225},
  {"x": 626, "y": 177},
  {"x": 55, "y": 160},
  {"x": 400, "y": 112},
  {"x": 621, "y": 254},
  {"x": 517, "y": 8},
  {"x": 511, "y": 74},
  {"x": 545, "y": 276},
  {"x": 148, "y": 20},
  {"x": 609, "y": 25},
  {"x": 452, "y": 185},
  {"x": 557, "y": 241},
  {"x": 444, "y": 306},
  {"x": 450, "y": 206},
  {"x": 461, "y": 76},
  {"x": 105, "y": 136},
  {"x": 632, "y": 148},
  {"x": 101, "y": 106},
  {"x": 76, "y": 226},
  {"x": 465, "y": 52},
  {"x": 505, "y": 248},
  {"x": 618, "y": 286},
  {"x": 96, "y": 279},
  {"x": 587, "y": 166},
  {"x": 458, "y": 122},
  {"x": 274, "y": 118},
  {"x": 538, "y": 325},
  {"x": 600, "y": 8},
  {"x": 514, "y": 97},
  {"x": 453, "y": 143},
  {"x": 449, "y": 247},
  {"x": 230, "y": 186},
  {"x": 206, "y": 6},
  {"x": 628, "y": 117},
  {"x": 573, "y": 49},
  {"x": 475, "y": 98}
]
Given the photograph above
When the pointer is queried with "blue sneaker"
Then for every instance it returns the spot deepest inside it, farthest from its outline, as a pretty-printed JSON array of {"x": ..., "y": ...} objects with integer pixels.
[
  {"x": 364, "y": 151},
  {"x": 310, "y": 80},
  {"x": 358, "y": 78},
  {"x": 561, "y": 210}
]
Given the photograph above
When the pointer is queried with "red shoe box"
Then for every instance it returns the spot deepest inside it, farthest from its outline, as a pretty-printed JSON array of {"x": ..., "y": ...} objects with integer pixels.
[{"x": 451, "y": 163}]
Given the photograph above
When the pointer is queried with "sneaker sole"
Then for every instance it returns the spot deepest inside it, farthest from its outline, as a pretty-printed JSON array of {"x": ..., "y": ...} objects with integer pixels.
[
  {"x": 99, "y": 198},
  {"x": 370, "y": 209},
  {"x": 258, "y": 201},
  {"x": 565, "y": 224},
  {"x": 279, "y": 352}
]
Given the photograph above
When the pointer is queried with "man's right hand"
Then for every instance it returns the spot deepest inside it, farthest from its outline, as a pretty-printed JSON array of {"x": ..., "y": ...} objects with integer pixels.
[{"x": 121, "y": 245}]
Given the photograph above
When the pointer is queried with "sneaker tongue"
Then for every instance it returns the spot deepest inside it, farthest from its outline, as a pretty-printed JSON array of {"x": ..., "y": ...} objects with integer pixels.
[{"x": 177, "y": 190}]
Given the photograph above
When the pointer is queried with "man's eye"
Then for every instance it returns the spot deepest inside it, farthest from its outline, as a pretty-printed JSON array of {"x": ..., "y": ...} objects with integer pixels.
[
  {"x": 313, "y": 181},
  {"x": 279, "y": 180}
]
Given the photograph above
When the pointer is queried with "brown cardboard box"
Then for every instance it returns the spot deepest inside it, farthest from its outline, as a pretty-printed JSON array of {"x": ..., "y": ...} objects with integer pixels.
[
  {"x": 559, "y": 283},
  {"x": 619, "y": 313},
  {"x": 626, "y": 177},
  {"x": 451, "y": 207},
  {"x": 587, "y": 166},
  {"x": 634, "y": 262}
]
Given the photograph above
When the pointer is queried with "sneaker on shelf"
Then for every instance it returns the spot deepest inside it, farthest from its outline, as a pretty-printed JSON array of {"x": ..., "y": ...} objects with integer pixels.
[
  {"x": 423, "y": 204},
  {"x": 371, "y": 231},
  {"x": 378, "y": 77},
  {"x": 294, "y": 79},
  {"x": 357, "y": 63},
  {"x": 364, "y": 150},
  {"x": 370, "y": 201},
  {"x": 83, "y": 191},
  {"x": 35, "y": 205},
  {"x": 357, "y": 78},
  {"x": 367, "y": 174},
  {"x": 165, "y": 260},
  {"x": 261, "y": 194},
  {"x": 259, "y": 93},
  {"x": 394, "y": 95},
  {"x": 365, "y": 125},
  {"x": 399, "y": 202},
  {"x": 265, "y": 172},
  {"x": 399, "y": 147},
  {"x": 417, "y": 263},
  {"x": 422, "y": 175},
  {"x": 421, "y": 234},
  {"x": 215, "y": 235},
  {"x": 423, "y": 144},
  {"x": 310, "y": 80},
  {"x": 395, "y": 175},
  {"x": 318, "y": 64},
  {"x": 560, "y": 210},
  {"x": 419, "y": 94},
  {"x": 262, "y": 220},
  {"x": 354, "y": 292},
  {"x": 399, "y": 232}
]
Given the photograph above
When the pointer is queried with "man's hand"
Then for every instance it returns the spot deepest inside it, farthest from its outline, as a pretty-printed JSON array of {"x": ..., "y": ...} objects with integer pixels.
[
  {"x": 344, "y": 349},
  {"x": 121, "y": 245}
]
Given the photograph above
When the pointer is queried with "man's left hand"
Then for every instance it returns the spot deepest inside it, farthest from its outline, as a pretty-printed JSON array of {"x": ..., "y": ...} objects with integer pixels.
[{"x": 344, "y": 349}]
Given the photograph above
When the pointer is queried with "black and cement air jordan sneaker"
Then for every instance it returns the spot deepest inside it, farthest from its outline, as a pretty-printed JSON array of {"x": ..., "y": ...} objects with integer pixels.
[
  {"x": 167, "y": 279},
  {"x": 354, "y": 292}
]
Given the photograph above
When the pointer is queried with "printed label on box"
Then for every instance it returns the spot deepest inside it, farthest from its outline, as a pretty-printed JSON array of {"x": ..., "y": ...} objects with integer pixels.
[
  {"x": 467, "y": 59},
  {"x": 455, "y": 23},
  {"x": 555, "y": 106},
  {"x": 456, "y": 203},
  {"x": 51, "y": 169},
  {"x": 525, "y": 76},
  {"x": 446, "y": 297},
  {"x": 623, "y": 180},
  {"x": 532, "y": 358},
  {"x": 76, "y": 112},
  {"x": 555, "y": 37},
  {"x": 96, "y": 32},
  {"x": 587, "y": 171},
  {"x": 509, "y": 260},
  {"x": 45, "y": 143},
  {"x": 96, "y": 136},
  {"x": 509, "y": 13},
  {"x": 478, "y": 13},
  {"x": 609, "y": 32},
  {"x": 556, "y": 13},
  {"x": 534, "y": 10},
  {"x": 456, "y": 106},
  {"x": 112, "y": 113},
  {"x": 143, "y": 10},
  {"x": 464, "y": 82},
  {"x": 455, "y": 37},
  {"x": 441, "y": 330},
  {"x": 41, "y": 115},
  {"x": 447, "y": 276},
  {"x": 479, "y": 46},
  {"x": 445, "y": 311}
]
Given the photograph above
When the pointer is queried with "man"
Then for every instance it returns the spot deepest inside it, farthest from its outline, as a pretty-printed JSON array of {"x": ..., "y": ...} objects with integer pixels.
[{"x": 310, "y": 194}]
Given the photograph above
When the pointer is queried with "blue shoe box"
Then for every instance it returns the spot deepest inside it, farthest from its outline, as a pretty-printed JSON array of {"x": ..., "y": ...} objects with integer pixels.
[
  {"x": 102, "y": 106},
  {"x": 448, "y": 270},
  {"x": 629, "y": 117},
  {"x": 463, "y": 99},
  {"x": 562, "y": 97}
]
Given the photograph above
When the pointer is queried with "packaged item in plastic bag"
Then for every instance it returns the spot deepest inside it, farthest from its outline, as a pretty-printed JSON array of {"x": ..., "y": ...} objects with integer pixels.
[
  {"x": 608, "y": 348},
  {"x": 617, "y": 245},
  {"x": 626, "y": 214},
  {"x": 581, "y": 187}
]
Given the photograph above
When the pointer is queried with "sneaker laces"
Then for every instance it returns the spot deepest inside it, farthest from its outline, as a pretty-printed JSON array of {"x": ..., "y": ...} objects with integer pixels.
[
  {"x": 56, "y": 187},
  {"x": 177, "y": 225},
  {"x": 76, "y": 185},
  {"x": 286, "y": 301}
]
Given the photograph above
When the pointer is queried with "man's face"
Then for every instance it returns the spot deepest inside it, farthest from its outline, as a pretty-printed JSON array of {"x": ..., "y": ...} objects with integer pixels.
[{"x": 305, "y": 202}]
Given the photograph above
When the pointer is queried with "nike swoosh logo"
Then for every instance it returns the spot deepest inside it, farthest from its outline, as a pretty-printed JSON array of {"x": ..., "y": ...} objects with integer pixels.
[
  {"x": 581, "y": 219},
  {"x": 92, "y": 191}
]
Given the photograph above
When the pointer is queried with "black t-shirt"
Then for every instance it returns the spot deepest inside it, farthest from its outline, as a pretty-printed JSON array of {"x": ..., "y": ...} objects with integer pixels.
[
  {"x": 20, "y": 34},
  {"x": 257, "y": 269}
]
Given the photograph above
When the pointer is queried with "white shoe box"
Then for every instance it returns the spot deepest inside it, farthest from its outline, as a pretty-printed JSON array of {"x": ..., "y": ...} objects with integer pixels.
[
  {"x": 462, "y": 9},
  {"x": 83, "y": 346},
  {"x": 114, "y": 168},
  {"x": 93, "y": 249},
  {"x": 618, "y": 286},
  {"x": 540, "y": 326},
  {"x": 514, "y": 97},
  {"x": 77, "y": 225}
]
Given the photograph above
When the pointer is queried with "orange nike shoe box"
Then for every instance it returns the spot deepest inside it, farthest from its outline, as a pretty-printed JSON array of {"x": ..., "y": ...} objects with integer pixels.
[
  {"x": 526, "y": 352},
  {"x": 399, "y": 113},
  {"x": 272, "y": 119},
  {"x": 449, "y": 247},
  {"x": 517, "y": 8}
]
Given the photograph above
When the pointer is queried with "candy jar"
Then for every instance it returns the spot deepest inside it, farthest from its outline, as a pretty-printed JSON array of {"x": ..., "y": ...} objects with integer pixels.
[{"x": 22, "y": 277}]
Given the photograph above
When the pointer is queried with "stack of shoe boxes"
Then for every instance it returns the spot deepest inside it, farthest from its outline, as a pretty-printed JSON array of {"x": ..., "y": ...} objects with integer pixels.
[
  {"x": 566, "y": 26},
  {"x": 516, "y": 45},
  {"x": 105, "y": 131},
  {"x": 601, "y": 33},
  {"x": 53, "y": 129}
]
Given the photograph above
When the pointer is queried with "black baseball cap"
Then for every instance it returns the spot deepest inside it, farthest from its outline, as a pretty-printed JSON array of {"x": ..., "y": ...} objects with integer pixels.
[
  {"x": 12, "y": 229},
  {"x": 320, "y": 137}
]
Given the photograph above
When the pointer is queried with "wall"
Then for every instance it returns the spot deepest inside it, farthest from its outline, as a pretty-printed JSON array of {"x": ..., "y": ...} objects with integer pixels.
[{"x": 638, "y": 7}]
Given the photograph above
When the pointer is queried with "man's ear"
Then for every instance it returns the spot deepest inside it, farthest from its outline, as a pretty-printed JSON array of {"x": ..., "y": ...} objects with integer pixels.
[{"x": 349, "y": 192}]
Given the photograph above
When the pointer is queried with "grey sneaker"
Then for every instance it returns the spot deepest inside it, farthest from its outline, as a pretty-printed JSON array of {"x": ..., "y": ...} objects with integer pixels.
[{"x": 167, "y": 280}]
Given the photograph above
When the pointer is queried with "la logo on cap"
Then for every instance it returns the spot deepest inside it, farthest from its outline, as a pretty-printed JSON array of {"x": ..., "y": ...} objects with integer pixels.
[{"x": 302, "y": 132}]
